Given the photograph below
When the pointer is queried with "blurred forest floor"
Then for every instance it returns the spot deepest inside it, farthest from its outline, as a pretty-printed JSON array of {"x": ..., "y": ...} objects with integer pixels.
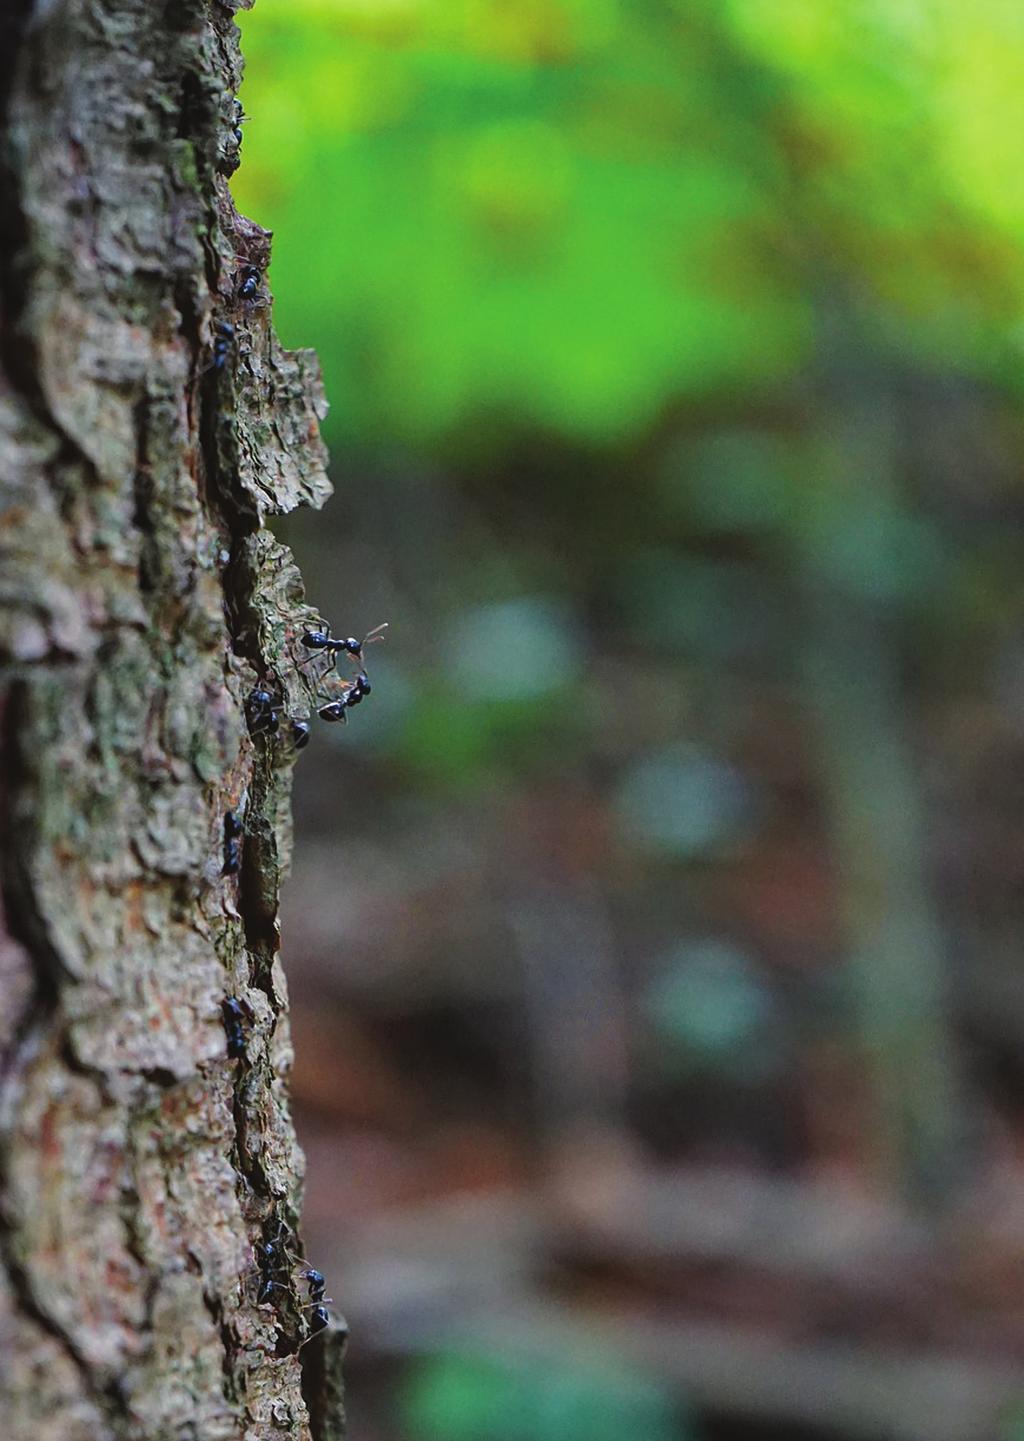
[{"x": 654, "y": 935}]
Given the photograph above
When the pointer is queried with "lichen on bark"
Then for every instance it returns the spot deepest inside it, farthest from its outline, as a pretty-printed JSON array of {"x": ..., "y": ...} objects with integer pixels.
[{"x": 149, "y": 424}]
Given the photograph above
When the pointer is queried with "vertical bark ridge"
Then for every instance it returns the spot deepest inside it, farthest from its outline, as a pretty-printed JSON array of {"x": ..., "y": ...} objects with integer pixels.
[{"x": 142, "y": 448}]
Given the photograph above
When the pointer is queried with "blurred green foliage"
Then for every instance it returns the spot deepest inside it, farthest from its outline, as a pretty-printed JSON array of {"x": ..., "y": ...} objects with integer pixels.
[
  {"x": 463, "y": 1395},
  {"x": 674, "y": 353},
  {"x": 573, "y": 213}
]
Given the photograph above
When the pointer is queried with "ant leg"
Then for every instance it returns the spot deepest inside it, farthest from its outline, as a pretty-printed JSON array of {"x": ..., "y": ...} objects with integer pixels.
[
  {"x": 314, "y": 679},
  {"x": 319, "y": 1322}
]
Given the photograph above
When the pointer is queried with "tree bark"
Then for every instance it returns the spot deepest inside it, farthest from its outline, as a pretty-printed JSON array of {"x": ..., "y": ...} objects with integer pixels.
[{"x": 147, "y": 1143}]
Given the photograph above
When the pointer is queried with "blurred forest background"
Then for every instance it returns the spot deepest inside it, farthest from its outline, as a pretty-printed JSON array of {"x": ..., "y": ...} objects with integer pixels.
[{"x": 655, "y": 927}]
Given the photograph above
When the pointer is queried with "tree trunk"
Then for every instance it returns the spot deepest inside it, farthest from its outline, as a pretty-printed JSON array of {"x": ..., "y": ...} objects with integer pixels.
[{"x": 151, "y": 1281}]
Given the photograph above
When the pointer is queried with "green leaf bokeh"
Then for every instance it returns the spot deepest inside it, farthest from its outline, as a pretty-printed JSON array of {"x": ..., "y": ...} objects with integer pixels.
[{"x": 572, "y": 214}]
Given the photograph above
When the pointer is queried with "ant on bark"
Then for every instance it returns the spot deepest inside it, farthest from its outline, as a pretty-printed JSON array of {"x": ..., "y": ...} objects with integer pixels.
[
  {"x": 335, "y": 710},
  {"x": 275, "y": 1258},
  {"x": 321, "y": 639},
  {"x": 232, "y": 844},
  {"x": 236, "y": 1015},
  {"x": 263, "y": 712}
]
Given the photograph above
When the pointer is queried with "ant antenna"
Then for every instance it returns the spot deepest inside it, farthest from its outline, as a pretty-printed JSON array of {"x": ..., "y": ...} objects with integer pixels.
[{"x": 376, "y": 634}]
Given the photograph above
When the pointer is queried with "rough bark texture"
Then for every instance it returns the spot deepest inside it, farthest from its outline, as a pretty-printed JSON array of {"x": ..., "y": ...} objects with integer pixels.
[{"x": 147, "y": 1146}]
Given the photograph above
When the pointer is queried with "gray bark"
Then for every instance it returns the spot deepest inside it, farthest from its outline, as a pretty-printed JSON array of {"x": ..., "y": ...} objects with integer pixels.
[{"x": 142, "y": 600}]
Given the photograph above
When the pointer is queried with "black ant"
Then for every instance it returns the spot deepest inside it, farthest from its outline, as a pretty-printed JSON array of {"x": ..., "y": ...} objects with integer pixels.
[
  {"x": 248, "y": 276},
  {"x": 320, "y": 639},
  {"x": 261, "y": 711},
  {"x": 335, "y": 710},
  {"x": 272, "y": 1260},
  {"x": 275, "y": 1257},
  {"x": 248, "y": 281},
  {"x": 268, "y": 1286},
  {"x": 235, "y": 1014},
  {"x": 320, "y": 1318},
  {"x": 360, "y": 686},
  {"x": 222, "y": 343},
  {"x": 231, "y": 153},
  {"x": 323, "y": 640},
  {"x": 317, "y": 1286},
  {"x": 232, "y": 844},
  {"x": 316, "y": 1283}
]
